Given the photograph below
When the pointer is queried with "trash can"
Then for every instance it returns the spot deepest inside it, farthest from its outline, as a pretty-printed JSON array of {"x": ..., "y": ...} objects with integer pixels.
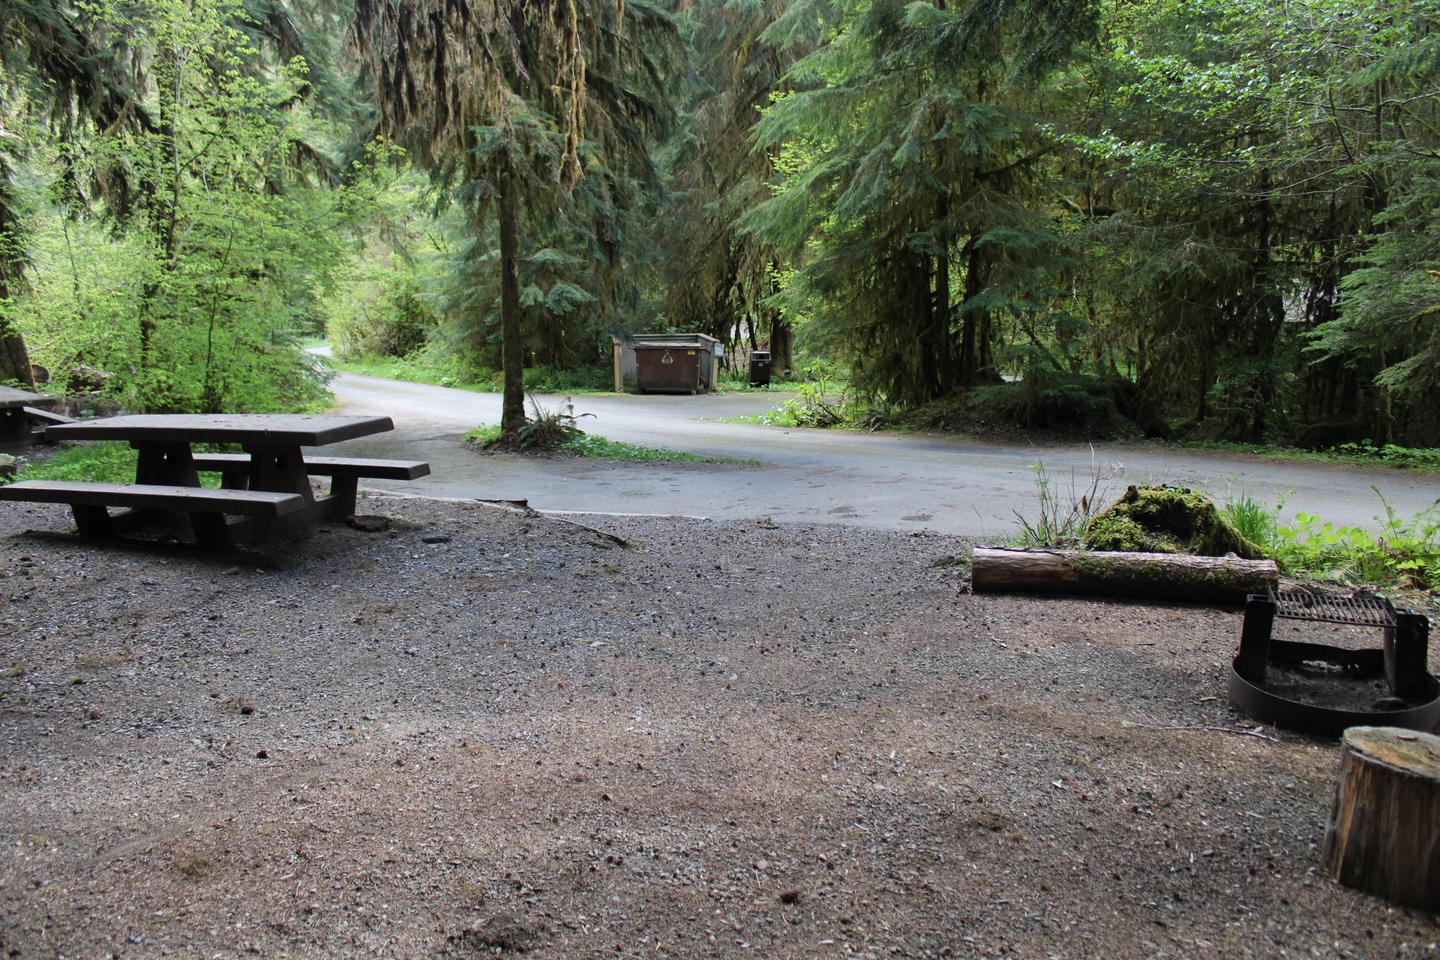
[{"x": 759, "y": 368}]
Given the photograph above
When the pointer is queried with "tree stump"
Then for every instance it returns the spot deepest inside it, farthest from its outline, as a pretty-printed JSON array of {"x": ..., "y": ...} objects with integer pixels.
[{"x": 1384, "y": 831}]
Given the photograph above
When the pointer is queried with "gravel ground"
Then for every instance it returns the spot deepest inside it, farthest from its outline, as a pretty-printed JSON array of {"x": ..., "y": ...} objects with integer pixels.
[{"x": 478, "y": 733}]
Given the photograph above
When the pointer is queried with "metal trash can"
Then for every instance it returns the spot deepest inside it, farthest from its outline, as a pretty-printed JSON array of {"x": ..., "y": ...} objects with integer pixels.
[{"x": 759, "y": 368}]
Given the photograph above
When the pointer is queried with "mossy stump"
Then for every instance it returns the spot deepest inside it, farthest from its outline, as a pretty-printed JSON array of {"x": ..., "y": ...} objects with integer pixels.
[{"x": 1167, "y": 520}]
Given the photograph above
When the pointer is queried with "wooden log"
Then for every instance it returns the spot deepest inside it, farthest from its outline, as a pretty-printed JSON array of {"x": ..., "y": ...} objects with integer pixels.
[
  {"x": 1141, "y": 576},
  {"x": 1384, "y": 831}
]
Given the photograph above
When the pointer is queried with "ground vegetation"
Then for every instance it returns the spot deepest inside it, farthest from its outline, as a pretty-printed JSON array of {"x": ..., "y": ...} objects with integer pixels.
[{"x": 1205, "y": 220}]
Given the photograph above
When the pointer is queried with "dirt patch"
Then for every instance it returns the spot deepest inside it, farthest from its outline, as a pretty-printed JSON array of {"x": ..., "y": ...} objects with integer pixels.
[{"x": 728, "y": 739}]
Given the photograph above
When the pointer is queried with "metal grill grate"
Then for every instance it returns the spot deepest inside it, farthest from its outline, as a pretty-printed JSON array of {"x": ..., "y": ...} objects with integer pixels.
[{"x": 1312, "y": 605}]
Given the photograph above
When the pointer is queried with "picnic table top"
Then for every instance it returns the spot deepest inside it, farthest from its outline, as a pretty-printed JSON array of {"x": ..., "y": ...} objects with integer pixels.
[
  {"x": 10, "y": 397},
  {"x": 278, "y": 429}
]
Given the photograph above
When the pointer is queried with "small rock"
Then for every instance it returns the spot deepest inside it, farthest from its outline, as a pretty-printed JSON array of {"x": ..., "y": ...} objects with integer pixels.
[
  {"x": 262, "y": 755},
  {"x": 790, "y": 896},
  {"x": 369, "y": 524},
  {"x": 435, "y": 538},
  {"x": 412, "y": 651},
  {"x": 94, "y": 714}
]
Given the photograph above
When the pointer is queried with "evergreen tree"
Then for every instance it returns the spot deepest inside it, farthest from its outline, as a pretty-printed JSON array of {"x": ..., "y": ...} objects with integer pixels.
[
  {"x": 912, "y": 160},
  {"x": 514, "y": 100}
]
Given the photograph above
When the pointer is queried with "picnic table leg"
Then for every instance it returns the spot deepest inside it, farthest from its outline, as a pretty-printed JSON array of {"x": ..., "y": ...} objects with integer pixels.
[
  {"x": 280, "y": 469},
  {"x": 167, "y": 463},
  {"x": 212, "y": 531},
  {"x": 343, "y": 490},
  {"x": 14, "y": 426},
  {"x": 92, "y": 521},
  {"x": 162, "y": 463}
]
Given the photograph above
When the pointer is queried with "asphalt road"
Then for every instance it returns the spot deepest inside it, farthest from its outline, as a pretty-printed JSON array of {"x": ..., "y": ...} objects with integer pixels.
[{"x": 887, "y": 481}]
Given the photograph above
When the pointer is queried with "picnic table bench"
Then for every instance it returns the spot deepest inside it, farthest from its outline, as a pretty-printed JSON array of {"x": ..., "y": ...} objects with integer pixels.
[
  {"x": 344, "y": 473},
  {"x": 268, "y": 483},
  {"x": 20, "y": 410}
]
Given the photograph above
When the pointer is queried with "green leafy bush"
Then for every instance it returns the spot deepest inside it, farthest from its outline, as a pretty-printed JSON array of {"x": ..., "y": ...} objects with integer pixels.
[
  {"x": 1404, "y": 552},
  {"x": 380, "y": 315},
  {"x": 813, "y": 407}
]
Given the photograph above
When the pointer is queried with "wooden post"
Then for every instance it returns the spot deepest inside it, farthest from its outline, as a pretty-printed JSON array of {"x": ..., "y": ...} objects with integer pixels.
[{"x": 1384, "y": 831}]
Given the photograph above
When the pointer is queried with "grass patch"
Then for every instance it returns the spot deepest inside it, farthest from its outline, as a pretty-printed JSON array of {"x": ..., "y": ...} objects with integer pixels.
[
  {"x": 1347, "y": 454},
  {"x": 421, "y": 369},
  {"x": 104, "y": 461},
  {"x": 599, "y": 448},
  {"x": 100, "y": 462}
]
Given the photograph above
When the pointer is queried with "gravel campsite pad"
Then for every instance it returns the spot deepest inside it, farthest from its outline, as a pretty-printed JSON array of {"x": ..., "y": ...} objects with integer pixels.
[{"x": 473, "y": 733}]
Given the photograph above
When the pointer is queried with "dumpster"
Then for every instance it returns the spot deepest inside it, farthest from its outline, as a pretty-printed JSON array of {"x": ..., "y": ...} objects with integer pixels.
[
  {"x": 709, "y": 350},
  {"x": 667, "y": 368},
  {"x": 759, "y": 368}
]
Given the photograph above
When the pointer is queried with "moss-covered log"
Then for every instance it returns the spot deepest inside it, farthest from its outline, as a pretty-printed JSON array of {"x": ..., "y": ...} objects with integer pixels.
[{"x": 1140, "y": 576}]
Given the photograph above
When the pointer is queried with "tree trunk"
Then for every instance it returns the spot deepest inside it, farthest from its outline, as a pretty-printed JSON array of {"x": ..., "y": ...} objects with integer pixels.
[
  {"x": 976, "y": 330},
  {"x": 512, "y": 344},
  {"x": 1141, "y": 576},
  {"x": 164, "y": 214},
  {"x": 944, "y": 354},
  {"x": 1381, "y": 837},
  {"x": 14, "y": 357}
]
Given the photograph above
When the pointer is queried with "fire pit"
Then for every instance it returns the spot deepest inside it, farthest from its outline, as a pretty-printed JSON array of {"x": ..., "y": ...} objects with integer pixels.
[{"x": 1323, "y": 689}]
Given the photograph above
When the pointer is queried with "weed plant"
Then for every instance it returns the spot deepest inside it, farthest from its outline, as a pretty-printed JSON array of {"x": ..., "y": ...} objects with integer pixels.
[{"x": 1063, "y": 512}]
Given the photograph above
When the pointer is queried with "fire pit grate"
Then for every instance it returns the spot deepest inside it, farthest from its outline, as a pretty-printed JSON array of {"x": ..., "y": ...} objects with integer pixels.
[
  {"x": 1396, "y": 673},
  {"x": 1317, "y": 607}
]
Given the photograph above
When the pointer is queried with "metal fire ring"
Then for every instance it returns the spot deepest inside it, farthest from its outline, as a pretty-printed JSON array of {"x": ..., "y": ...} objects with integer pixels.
[
  {"x": 1401, "y": 661},
  {"x": 1269, "y": 708}
]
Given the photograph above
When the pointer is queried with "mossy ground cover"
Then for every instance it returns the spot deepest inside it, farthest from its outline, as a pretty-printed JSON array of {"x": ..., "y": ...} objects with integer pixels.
[{"x": 1167, "y": 520}]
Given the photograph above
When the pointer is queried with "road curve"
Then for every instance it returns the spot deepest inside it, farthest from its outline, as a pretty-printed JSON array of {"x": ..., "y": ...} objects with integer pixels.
[{"x": 887, "y": 481}]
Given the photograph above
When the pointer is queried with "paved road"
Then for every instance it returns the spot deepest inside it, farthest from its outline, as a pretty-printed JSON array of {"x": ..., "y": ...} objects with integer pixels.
[{"x": 888, "y": 481}]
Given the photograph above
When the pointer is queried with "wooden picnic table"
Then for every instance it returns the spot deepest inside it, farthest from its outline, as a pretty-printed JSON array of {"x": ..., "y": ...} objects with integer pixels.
[
  {"x": 272, "y": 441},
  {"x": 14, "y": 422},
  {"x": 267, "y": 485}
]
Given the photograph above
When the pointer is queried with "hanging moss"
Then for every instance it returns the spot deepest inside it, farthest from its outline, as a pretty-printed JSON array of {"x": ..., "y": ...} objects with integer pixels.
[{"x": 1167, "y": 520}]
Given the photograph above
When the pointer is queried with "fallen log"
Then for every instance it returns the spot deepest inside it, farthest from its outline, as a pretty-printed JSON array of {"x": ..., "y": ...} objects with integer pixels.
[
  {"x": 1140, "y": 576},
  {"x": 1381, "y": 836}
]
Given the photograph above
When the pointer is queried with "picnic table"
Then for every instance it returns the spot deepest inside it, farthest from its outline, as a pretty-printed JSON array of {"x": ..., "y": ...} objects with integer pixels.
[
  {"x": 17, "y": 409},
  {"x": 268, "y": 482}
]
